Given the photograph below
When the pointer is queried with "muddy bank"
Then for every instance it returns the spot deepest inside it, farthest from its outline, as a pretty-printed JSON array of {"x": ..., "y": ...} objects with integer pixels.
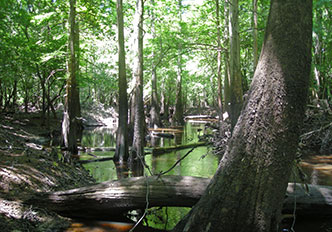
[{"x": 28, "y": 165}]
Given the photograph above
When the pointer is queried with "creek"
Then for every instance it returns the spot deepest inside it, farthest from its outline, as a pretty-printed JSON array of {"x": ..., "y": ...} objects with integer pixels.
[{"x": 200, "y": 163}]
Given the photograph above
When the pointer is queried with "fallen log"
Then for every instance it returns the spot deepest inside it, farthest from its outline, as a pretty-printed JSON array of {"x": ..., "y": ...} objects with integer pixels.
[
  {"x": 311, "y": 200},
  {"x": 163, "y": 135},
  {"x": 199, "y": 116},
  {"x": 115, "y": 197},
  {"x": 171, "y": 130},
  {"x": 161, "y": 150},
  {"x": 97, "y": 159},
  {"x": 90, "y": 149}
]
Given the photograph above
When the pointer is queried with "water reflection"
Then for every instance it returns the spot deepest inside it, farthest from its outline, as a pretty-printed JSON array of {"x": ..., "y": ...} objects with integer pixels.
[
  {"x": 193, "y": 165},
  {"x": 99, "y": 137},
  {"x": 317, "y": 168}
]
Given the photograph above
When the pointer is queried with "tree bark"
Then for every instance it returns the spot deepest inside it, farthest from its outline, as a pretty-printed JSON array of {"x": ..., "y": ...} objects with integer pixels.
[
  {"x": 139, "y": 121},
  {"x": 255, "y": 32},
  {"x": 234, "y": 67},
  {"x": 1, "y": 95},
  {"x": 227, "y": 80},
  {"x": 164, "y": 101},
  {"x": 219, "y": 59},
  {"x": 155, "y": 109},
  {"x": 116, "y": 197},
  {"x": 177, "y": 119},
  {"x": 69, "y": 123},
  {"x": 121, "y": 153},
  {"x": 247, "y": 191}
]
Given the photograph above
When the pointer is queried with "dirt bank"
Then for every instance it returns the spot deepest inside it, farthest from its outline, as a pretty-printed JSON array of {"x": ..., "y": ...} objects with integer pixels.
[{"x": 28, "y": 165}]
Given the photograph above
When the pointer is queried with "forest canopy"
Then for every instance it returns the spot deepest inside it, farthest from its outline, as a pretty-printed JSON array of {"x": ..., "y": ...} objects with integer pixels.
[{"x": 34, "y": 47}]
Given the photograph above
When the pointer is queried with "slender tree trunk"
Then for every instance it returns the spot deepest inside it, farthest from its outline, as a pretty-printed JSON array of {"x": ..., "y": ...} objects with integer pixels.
[
  {"x": 5, "y": 98},
  {"x": 255, "y": 32},
  {"x": 318, "y": 56},
  {"x": 219, "y": 57},
  {"x": 258, "y": 161},
  {"x": 77, "y": 72},
  {"x": 178, "y": 114},
  {"x": 69, "y": 123},
  {"x": 227, "y": 81},
  {"x": 164, "y": 101},
  {"x": 14, "y": 95},
  {"x": 1, "y": 95},
  {"x": 121, "y": 153},
  {"x": 235, "y": 73},
  {"x": 43, "y": 87},
  {"x": 132, "y": 99},
  {"x": 139, "y": 122},
  {"x": 26, "y": 97},
  {"x": 155, "y": 109}
]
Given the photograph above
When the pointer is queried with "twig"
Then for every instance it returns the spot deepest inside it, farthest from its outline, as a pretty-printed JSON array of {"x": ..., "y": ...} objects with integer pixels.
[
  {"x": 146, "y": 196},
  {"x": 162, "y": 173},
  {"x": 92, "y": 155},
  {"x": 147, "y": 184},
  {"x": 318, "y": 130}
]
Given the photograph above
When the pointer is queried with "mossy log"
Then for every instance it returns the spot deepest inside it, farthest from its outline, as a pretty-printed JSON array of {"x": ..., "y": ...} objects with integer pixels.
[{"x": 111, "y": 198}]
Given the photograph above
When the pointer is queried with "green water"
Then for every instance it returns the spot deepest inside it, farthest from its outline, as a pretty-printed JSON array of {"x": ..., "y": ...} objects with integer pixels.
[
  {"x": 99, "y": 137},
  {"x": 200, "y": 162}
]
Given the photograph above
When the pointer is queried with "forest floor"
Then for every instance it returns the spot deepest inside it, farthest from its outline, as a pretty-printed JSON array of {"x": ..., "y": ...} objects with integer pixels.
[{"x": 29, "y": 165}]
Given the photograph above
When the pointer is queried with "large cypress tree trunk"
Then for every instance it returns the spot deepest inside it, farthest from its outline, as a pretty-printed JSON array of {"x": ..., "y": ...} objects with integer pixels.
[
  {"x": 69, "y": 123},
  {"x": 121, "y": 153},
  {"x": 139, "y": 121},
  {"x": 247, "y": 191}
]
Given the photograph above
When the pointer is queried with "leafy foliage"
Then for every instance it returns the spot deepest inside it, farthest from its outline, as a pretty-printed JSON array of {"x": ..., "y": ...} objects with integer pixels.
[{"x": 34, "y": 35}]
